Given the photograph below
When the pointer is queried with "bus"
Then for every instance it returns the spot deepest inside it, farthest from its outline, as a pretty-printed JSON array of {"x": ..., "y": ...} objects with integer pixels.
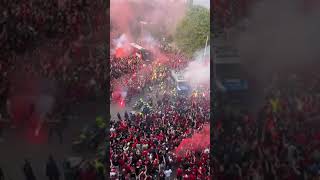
[
  {"x": 180, "y": 83},
  {"x": 141, "y": 52},
  {"x": 231, "y": 80}
]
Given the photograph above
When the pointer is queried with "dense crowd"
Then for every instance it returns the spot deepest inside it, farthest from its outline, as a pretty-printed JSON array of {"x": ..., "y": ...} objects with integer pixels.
[
  {"x": 24, "y": 23},
  {"x": 52, "y": 41},
  {"x": 282, "y": 142},
  {"x": 133, "y": 75},
  {"x": 228, "y": 12},
  {"x": 125, "y": 65},
  {"x": 73, "y": 169},
  {"x": 143, "y": 145},
  {"x": 78, "y": 78}
]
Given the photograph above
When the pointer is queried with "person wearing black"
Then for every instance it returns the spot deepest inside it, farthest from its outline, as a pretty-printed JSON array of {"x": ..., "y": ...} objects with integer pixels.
[
  {"x": 1, "y": 131},
  {"x": 100, "y": 173},
  {"x": 55, "y": 127},
  {"x": 52, "y": 170},
  {"x": 27, "y": 171},
  {"x": 1, "y": 174},
  {"x": 119, "y": 116},
  {"x": 68, "y": 172},
  {"x": 126, "y": 116}
]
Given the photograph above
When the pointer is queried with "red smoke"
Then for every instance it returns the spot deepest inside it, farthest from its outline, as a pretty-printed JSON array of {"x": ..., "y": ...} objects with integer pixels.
[
  {"x": 119, "y": 53},
  {"x": 122, "y": 103},
  {"x": 126, "y": 16},
  {"x": 198, "y": 142},
  {"x": 31, "y": 135},
  {"x": 116, "y": 94},
  {"x": 118, "y": 98},
  {"x": 20, "y": 110},
  {"x": 122, "y": 16}
]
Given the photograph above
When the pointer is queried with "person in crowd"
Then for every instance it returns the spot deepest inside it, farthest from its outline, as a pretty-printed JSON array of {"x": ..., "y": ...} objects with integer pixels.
[
  {"x": 100, "y": 169},
  {"x": 28, "y": 171},
  {"x": 167, "y": 174},
  {"x": 52, "y": 170},
  {"x": 281, "y": 143},
  {"x": 1, "y": 128},
  {"x": 55, "y": 126},
  {"x": 88, "y": 172},
  {"x": 126, "y": 116},
  {"x": 145, "y": 144},
  {"x": 119, "y": 116},
  {"x": 1, "y": 174},
  {"x": 68, "y": 171}
]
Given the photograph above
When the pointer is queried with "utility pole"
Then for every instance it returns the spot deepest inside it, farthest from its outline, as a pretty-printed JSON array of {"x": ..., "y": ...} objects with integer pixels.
[
  {"x": 142, "y": 23},
  {"x": 205, "y": 49}
]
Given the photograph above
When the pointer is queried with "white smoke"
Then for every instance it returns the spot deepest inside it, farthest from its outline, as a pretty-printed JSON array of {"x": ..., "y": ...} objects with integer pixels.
[
  {"x": 121, "y": 41},
  {"x": 198, "y": 71},
  {"x": 150, "y": 42},
  {"x": 44, "y": 105},
  {"x": 124, "y": 92},
  {"x": 203, "y": 3},
  {"x": 147, "y": 41}
]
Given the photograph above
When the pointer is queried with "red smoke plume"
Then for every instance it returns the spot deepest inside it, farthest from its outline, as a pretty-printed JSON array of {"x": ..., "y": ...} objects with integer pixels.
[
  {"x": 121, "y": 16},
  {"x": 126, "y": 17},
  {"x": 198, "y": 142},
  {"x": 122, "y": 103},
  {"x": 120, "y": 53}
]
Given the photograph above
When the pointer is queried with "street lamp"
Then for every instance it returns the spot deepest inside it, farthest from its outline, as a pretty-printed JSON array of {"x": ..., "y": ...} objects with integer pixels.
[
  {"x": 142, "y": 23},
  {"x": 205, "y": 48}
]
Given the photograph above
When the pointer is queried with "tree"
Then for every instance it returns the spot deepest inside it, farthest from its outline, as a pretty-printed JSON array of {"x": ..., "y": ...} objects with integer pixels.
[{"x": 192, "y": 31}]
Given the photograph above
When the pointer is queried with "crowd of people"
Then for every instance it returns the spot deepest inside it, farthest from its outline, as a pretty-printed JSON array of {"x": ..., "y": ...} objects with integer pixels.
[
  {"x": 77, "y": 169},
  {"x": 55, "y": 41},
  {"x": 71, "y": 78},
  {"x": 133, "y": 75},
  {"x": 24, "y": 23},
  {"x": 143, "y": 144},
  {"x": 282, "y": 142},
  {"x": 52, "y": 41},
  {"x": 66, "y": 81},
  {"x": 125, "y": 65},
  {"x": 227, "y": 13},
  {"x": 75, "y": 78}
]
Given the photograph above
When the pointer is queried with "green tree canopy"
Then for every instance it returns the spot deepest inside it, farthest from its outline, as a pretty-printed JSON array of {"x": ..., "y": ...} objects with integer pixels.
[{"x": 192, "y": 31}]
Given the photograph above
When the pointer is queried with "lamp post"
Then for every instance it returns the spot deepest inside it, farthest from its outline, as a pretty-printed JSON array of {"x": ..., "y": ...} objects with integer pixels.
[
  {"x": 142, "y": 23},
  {"x": 205, "y": 48}
]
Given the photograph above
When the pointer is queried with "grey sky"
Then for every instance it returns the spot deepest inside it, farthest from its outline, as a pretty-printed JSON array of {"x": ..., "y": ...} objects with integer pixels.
[{"x": 205, "y": 3}]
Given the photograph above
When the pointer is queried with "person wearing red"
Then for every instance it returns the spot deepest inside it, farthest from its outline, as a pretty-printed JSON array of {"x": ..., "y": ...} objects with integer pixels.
[
  {"x": 179, "y": 173},
  {"x": 88, "y": 173},
  {"x": 186, "y": 177},
  {"x": 192, "y": 176}
]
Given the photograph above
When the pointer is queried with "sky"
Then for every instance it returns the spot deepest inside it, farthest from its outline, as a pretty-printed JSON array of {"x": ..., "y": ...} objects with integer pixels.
[{"x": 205, "y": 3}]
